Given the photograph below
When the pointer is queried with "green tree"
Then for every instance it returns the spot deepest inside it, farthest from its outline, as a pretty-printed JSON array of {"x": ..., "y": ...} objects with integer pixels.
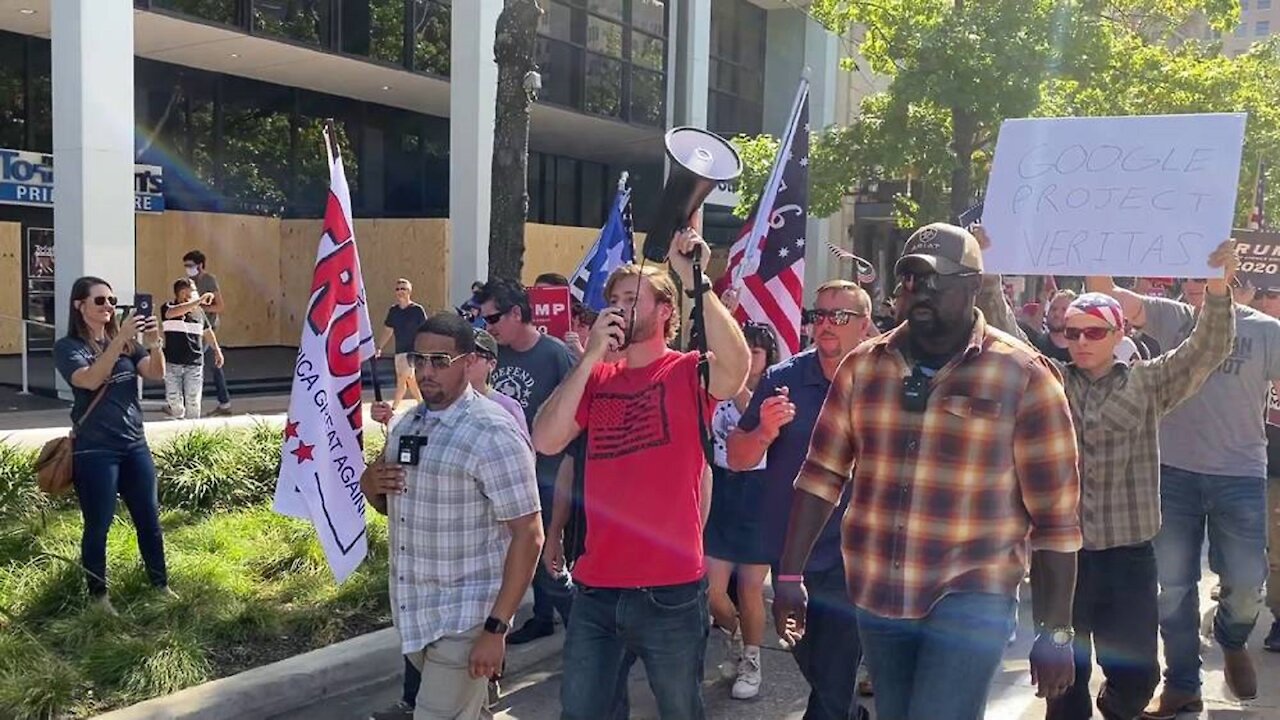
[{"x": 958, "y": 68}]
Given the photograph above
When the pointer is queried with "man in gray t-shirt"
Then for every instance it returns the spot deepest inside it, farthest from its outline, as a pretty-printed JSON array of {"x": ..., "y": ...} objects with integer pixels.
[
  {"x": 1213, "y": 454},
  {"x": 206, "y": 283},
  {"x": 530, "y": 367}
]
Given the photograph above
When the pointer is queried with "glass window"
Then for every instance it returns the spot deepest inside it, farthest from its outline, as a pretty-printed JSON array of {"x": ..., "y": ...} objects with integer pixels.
[
  {"x": 648, "y": 98},
  {"x": 1244, "y": 4},
  {"x": 611, "y": 8},
  {"x": 39, "y": 97},
  {"x": 256, "y": 130},
  {"x": 386, "y": 29},
  {"x": 305, "y": 21},
  {"x": 548, "y": 212},
  {"x": 649, "y": 16},
  {"x": 1240, "y": 30},
  {"x": 591, "y": 195},
  {"x": 566, "y": 191},
  {"x": 737, "y": 67},
  {"x": 604, "y": 37},
  {"x": 556, "y": 22},
  {"x": 649, "y": 51},
  {"x": 431, "y": 32},
  {"x": 1263, "y": 28},
  {"x": 13, "y": 91},
  {"x": 561, "y": 68},
  {"x": 1264, "y": 4},
  {"x": 604, "y": 86},
  {"x": 219, "y": 11}
]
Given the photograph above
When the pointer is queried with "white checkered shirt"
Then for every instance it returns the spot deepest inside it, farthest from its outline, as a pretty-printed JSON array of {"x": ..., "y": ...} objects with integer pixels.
[{"x": 447, "y": 533}]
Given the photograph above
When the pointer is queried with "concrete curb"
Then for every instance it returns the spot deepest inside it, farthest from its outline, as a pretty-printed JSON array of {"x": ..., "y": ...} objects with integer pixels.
[{"x": 283, "y": 688}]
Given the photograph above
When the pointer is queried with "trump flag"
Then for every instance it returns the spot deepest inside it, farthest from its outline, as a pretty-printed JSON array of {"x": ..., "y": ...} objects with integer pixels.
[{"x": 322, "y": 456}]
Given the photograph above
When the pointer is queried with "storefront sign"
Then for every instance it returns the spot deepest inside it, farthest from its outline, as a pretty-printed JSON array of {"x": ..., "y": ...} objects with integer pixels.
[{"x": 26, "y": 178}]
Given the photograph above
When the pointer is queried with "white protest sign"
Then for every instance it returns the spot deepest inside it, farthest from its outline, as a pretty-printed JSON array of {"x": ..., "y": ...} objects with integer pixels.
[{"x": 1142, "y": 196}]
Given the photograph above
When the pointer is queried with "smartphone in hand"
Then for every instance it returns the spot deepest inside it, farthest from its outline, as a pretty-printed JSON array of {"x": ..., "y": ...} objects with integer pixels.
[{"x": 144, "y": 304}]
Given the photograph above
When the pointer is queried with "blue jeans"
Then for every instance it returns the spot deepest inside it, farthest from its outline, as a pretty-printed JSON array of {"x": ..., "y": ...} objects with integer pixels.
[
  {"x": 829, "y": 652},
  {"x": 99, "y": 476},
  {"x": 551, "y": 594},
  {"x": 1233, "y": 510},
  {"x": 665, "y": 627},
  {"x": 938, "y": 667},
  {"x": 219, "y": 378}
]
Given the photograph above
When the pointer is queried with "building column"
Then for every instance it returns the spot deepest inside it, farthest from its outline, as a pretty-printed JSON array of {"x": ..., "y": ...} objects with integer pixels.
[
  {"x": 689, "y": 22},
  {"x": 93, "y": 143},
  {"x": 473, "y": 86}
]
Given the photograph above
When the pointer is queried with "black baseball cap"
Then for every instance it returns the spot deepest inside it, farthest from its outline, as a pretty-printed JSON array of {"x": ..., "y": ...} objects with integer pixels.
[{"x": 946, "y": 249}]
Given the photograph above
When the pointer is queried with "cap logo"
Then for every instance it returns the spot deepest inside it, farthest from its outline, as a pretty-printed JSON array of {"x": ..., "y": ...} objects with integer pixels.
[{"x": 928, "y": 234}]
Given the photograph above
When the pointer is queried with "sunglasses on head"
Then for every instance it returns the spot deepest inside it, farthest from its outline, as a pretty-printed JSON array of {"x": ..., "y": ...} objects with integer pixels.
[
  {"x": 437, "y": 361},
  {"x": 1093, "y": 334},
  {"x": 758, "y": 333},
  {"x": 839, "y": 318},
  {"x": 105, "y": 300}
]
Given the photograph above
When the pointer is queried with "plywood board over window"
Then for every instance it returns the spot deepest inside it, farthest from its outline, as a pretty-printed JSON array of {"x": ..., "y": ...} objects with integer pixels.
[{"x": 10, "y": 287}]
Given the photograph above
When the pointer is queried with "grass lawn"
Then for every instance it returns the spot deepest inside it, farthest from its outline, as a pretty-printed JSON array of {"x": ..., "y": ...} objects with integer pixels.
[{"x": 253, "y": 585}]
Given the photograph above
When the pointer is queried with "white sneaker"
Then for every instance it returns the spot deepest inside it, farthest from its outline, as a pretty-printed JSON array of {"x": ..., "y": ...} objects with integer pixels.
[
  {"x": 732, "y": 654},
  {"x": 748, "y": 684}
]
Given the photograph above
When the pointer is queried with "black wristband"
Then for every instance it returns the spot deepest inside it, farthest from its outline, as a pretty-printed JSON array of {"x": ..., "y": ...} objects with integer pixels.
[{"x": 691, "y": 292}]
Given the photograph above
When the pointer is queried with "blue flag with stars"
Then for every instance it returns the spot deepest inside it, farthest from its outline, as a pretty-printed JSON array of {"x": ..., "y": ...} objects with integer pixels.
[{"x": 614, "y": 248}]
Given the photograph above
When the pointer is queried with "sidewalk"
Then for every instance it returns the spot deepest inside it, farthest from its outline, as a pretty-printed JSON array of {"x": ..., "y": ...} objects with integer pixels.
[{"x": 534, "y": 694}]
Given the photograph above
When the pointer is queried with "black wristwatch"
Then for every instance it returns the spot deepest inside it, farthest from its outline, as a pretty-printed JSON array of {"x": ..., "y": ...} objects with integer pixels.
[
  {"x": 691, "y": 292},
  {"x": 494, "y": 626}
]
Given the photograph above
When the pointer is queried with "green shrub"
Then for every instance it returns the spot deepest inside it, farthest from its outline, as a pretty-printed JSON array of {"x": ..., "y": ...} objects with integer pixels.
[
  {"x": 218, "y": 469},
  {"x": 19, "y": 495}
]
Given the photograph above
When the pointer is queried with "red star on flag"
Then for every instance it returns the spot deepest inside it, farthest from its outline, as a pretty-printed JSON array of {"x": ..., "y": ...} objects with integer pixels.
[
  {"x": 291, "y": 429},
  {"x": 302, "y": 452}
]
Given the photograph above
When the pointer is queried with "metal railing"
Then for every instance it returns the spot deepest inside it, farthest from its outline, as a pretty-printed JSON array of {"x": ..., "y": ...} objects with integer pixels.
[{"x": 26, "y": 371}]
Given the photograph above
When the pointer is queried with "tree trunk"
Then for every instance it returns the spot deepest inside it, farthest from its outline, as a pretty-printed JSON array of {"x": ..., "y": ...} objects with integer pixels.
[
  {"x": 963, "y": 127},
  {"x": 513, "y": 49}
]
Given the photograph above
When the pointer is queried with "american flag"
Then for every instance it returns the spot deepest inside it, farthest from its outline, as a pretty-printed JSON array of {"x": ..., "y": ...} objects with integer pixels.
[
  {"x": 766, "y": 263},
  {"x": 1258, "y": 217}
]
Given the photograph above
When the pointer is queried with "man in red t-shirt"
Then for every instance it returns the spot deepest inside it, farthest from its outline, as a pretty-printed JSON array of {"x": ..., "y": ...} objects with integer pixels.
[{"x": 640, "y": 585}]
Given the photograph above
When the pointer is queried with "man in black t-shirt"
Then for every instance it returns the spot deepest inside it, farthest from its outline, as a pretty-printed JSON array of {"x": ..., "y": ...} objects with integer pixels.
[
  {"x": 186, "y": 329},
  {"x": 402, "y": 323}
]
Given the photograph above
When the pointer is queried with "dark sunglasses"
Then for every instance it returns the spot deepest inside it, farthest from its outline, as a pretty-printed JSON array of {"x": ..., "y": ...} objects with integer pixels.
[
  {"x": 105, "y": 300},
  {"x": 1093, "y": 334},
  {"x": 437, "y": 361},
  {"x": 838, "y": 318},
  {"x": 495, "y": 318},
  {"x": 1269, "y": 294},
  {"x": 927, "y": 280}
]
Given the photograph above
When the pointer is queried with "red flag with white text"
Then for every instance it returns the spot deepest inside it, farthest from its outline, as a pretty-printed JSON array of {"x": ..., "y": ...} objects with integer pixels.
[{"x": 322, "y": 457}]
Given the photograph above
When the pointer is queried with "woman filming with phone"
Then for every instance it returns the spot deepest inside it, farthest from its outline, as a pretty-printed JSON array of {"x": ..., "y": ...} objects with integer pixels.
[{"x": 101, "y": 359}]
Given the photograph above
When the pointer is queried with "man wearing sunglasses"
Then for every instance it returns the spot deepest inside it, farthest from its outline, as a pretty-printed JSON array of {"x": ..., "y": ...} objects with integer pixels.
[
  {"x": 402, "y": 323},
  {"x": 1117, "y": 410},
  {"x": 776, "y": 428},
  {"x": 1213, "y": 455},
  {"x": 465, "y": 530},
  {"x": 530, "y": 366},
  {"x": 956, "y": 441},
  {"x": 641, "y": 580}
]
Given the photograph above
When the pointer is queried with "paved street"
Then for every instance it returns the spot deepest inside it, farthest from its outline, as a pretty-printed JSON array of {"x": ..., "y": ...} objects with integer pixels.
[{"x": 533, "y": 693}]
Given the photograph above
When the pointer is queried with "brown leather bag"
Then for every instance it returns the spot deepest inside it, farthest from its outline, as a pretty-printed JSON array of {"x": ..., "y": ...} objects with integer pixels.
[{"x": 53, "y": 467}]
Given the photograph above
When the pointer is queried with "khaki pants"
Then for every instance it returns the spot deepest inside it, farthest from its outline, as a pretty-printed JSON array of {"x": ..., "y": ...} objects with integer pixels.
[
  {"x": 1273, "y": 546},
  {"x": 448, "y": 692}
]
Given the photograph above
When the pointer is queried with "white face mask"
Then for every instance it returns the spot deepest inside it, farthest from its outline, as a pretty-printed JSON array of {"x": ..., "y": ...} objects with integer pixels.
[{"x": 193, "y": 271}]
